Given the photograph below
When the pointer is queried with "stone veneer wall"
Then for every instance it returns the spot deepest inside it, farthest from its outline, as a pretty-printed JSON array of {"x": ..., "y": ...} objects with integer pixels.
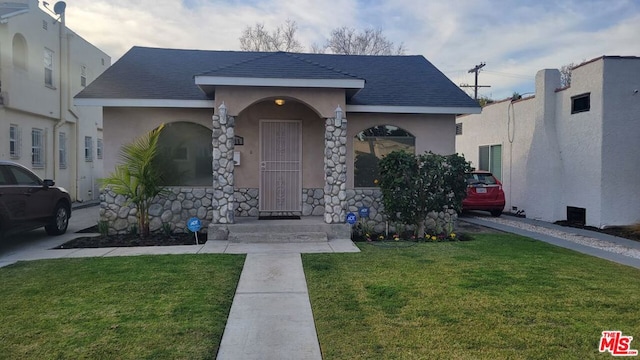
[
  {"x": 174, "y": 208},
  {"x": 247, "y": 202},
  {"x": 183, "y": 203},
  {"x": 372, "y": 198},
  {"x": 335, "y": 170}
]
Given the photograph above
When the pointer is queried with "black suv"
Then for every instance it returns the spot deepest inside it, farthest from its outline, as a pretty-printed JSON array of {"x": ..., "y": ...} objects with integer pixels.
[{"x": 27, "y": 202}]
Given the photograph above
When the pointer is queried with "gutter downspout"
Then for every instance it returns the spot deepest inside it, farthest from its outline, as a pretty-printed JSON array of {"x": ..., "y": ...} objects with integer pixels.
[{"x": 61, "y": 85}]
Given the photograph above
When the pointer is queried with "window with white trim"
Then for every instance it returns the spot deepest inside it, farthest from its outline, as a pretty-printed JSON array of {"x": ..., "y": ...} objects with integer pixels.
[
  {"x": 83, "y": 76},
  {"x": 491, "y": 160},
  {"x": 15, "y": 141},
  {"x": 48, "y": 67},
  {"x": 88, "y": 148},
  {"x": 62, "y": 138},
  {"x": 99, "y": 149},
  {"x": 37, "y": 148}
]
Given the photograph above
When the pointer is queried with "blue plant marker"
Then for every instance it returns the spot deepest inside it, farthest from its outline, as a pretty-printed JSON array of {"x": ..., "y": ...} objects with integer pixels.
[
  {"x": 193, "y": 224},
  {"x": 351, "y": 218},
  {"x": 364, "y": 212}
]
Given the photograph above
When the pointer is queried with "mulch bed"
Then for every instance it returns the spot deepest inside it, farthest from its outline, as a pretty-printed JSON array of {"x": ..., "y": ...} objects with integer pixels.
[{"x": 126, "y": 240}]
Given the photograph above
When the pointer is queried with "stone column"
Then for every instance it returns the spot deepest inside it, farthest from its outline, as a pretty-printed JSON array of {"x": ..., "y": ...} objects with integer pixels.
[
  {"x": 335, "y": 169},
  {"x": 222, "y": 139}
]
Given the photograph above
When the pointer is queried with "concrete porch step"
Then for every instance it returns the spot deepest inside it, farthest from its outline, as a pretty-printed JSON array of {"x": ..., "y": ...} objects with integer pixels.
[
  {"x": 277, "y": 237},
  {"x": 305, "y": 230}
]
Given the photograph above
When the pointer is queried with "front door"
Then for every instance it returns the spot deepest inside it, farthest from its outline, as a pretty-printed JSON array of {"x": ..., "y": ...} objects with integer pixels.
[{"x": 280, "y": 166}]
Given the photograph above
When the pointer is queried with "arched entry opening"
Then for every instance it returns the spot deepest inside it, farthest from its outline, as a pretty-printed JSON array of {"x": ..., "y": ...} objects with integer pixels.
[{"x": 281, "y": 152}]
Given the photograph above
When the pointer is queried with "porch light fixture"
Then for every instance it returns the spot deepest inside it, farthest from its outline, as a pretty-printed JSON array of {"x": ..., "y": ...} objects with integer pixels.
[
  {"x": 338, "y": 119},
  {"x": 279, "y": 102}
]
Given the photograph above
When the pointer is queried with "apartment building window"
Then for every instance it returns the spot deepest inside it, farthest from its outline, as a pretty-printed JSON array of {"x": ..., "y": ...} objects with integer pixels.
[
  {"x": 63, "y": 150},
  {"x": 83, "y": 76},
  {"x": 14, "y": 141},
  {"x": 99, "y": 149},
  {"x": 491, "y": 160},
  {"x": 88, "y": 148},
  {"x": 48, "y": 67},
  {"x": 580, "y": 103},
  {"x": 37, "y": 148}
]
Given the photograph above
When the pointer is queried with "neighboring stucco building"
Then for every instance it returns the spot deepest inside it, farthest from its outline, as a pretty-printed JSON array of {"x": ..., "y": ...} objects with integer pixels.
[
  {"x": 570, "y": 153},
  {"x": 282, "y": 133},
  {"x": 43, "y": 65}
]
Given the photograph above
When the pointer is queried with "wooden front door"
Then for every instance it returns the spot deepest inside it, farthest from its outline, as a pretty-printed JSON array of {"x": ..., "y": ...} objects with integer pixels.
[{"x": 280, "y": 166}]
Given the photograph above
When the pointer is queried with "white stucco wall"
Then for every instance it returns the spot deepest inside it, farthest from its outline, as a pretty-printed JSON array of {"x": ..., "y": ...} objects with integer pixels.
[
  {"x": 557, "y": 159},
  {"x": 29, "y": 103},
  {"x": 620, "y": 142},
  {"x": 493, "y": 127}
]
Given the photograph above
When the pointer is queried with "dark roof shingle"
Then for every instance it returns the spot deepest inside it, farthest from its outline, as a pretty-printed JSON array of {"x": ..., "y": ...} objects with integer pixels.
[{"x": 153, "y": 73}]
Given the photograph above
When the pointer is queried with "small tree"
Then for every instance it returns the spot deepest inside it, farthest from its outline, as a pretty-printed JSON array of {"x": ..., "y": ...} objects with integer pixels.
[
  {"x": 137, "y": 178},
  {"x": 413, "y": 186},
  {"x": 565, "y": 74},
  {"x": 371, "y": 41},
  {"x": 283, "y": 38}
]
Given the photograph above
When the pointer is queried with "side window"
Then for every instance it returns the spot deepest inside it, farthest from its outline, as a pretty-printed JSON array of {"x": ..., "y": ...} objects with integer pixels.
[
  {"x": 83, "y": 76},
  {"x": 48, "y": 67},
  {"x": 23, "y": 177},
  {"x": 370, "y": 145},
  {"x": 4, "y": 178},
  {"x": 37, "y": 148},
  {"x": 88, "y": 148},
  {"x": 491, "y": 160},
  {"x": 14, "y": 141}
]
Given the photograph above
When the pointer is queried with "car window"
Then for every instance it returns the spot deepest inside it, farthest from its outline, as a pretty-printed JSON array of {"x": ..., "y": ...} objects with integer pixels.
[
  {"x": 24, "y": 177},
  {"x": 4, "y": 177},
  {"x": 485, "y": 178}
]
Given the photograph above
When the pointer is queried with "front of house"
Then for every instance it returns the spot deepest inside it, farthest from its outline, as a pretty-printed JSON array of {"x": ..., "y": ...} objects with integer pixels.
[{"x": 283, "y": 134}]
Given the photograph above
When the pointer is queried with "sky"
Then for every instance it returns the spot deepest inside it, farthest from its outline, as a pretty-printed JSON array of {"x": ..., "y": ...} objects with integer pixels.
[{"x": 515, "y": 38}]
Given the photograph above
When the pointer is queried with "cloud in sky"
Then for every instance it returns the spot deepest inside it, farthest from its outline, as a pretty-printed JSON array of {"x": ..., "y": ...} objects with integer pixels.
[{"x": 513, "y": 37}]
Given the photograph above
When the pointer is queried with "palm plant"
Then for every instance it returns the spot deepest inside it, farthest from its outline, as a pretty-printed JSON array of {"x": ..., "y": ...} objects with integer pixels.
[{"x": 137, "y": 178}]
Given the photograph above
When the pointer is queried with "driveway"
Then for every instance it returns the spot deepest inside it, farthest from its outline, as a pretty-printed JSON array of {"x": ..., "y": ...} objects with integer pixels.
[{"x": 37, "y": 240}]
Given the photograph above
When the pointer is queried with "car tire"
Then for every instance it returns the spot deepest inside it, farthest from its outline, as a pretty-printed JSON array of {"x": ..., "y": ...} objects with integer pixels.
[
  {"x": 496, "y": 213},
  {"x": 60, "y": 220}
]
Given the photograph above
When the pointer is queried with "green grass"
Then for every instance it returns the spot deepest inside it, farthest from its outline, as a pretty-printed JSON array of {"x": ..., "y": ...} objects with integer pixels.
[
  {"x": 144, "y": 307},
  {"x": 497, "y": 297}
]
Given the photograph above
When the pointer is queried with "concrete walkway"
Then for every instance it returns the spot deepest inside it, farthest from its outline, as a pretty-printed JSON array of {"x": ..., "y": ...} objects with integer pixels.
[{"x": 271, "y": 314}]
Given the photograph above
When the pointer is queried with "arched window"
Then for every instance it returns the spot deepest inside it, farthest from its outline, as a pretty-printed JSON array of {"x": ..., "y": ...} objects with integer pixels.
[
  {"x": 19, "y": 52},
  {"x": 185, "y": 154},
  {"x": 370, "y": 145}
]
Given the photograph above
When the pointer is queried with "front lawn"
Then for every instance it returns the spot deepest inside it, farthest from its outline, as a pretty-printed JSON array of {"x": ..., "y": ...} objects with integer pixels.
[
  {"x": 500, "y": 296},
  {"x": 143, "y": 307}
]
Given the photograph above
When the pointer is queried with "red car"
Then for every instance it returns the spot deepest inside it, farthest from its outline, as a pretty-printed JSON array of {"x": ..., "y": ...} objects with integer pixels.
[{"x": 484, "y": 192}]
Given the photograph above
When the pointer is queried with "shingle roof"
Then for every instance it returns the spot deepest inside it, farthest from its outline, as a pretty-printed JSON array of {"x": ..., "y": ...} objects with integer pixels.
[{"x": 153, "y": 73}]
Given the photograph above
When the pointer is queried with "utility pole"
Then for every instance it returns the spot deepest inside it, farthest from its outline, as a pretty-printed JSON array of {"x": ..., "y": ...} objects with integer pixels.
[{"x": 476, "y": 70}]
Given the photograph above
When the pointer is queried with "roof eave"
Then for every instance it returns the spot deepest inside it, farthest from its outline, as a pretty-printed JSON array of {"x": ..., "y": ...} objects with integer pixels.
[
  {"x": 5, "y": 18},
  {"x": 151, "y": 103},
  {"x": 453, "y": 110}
]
